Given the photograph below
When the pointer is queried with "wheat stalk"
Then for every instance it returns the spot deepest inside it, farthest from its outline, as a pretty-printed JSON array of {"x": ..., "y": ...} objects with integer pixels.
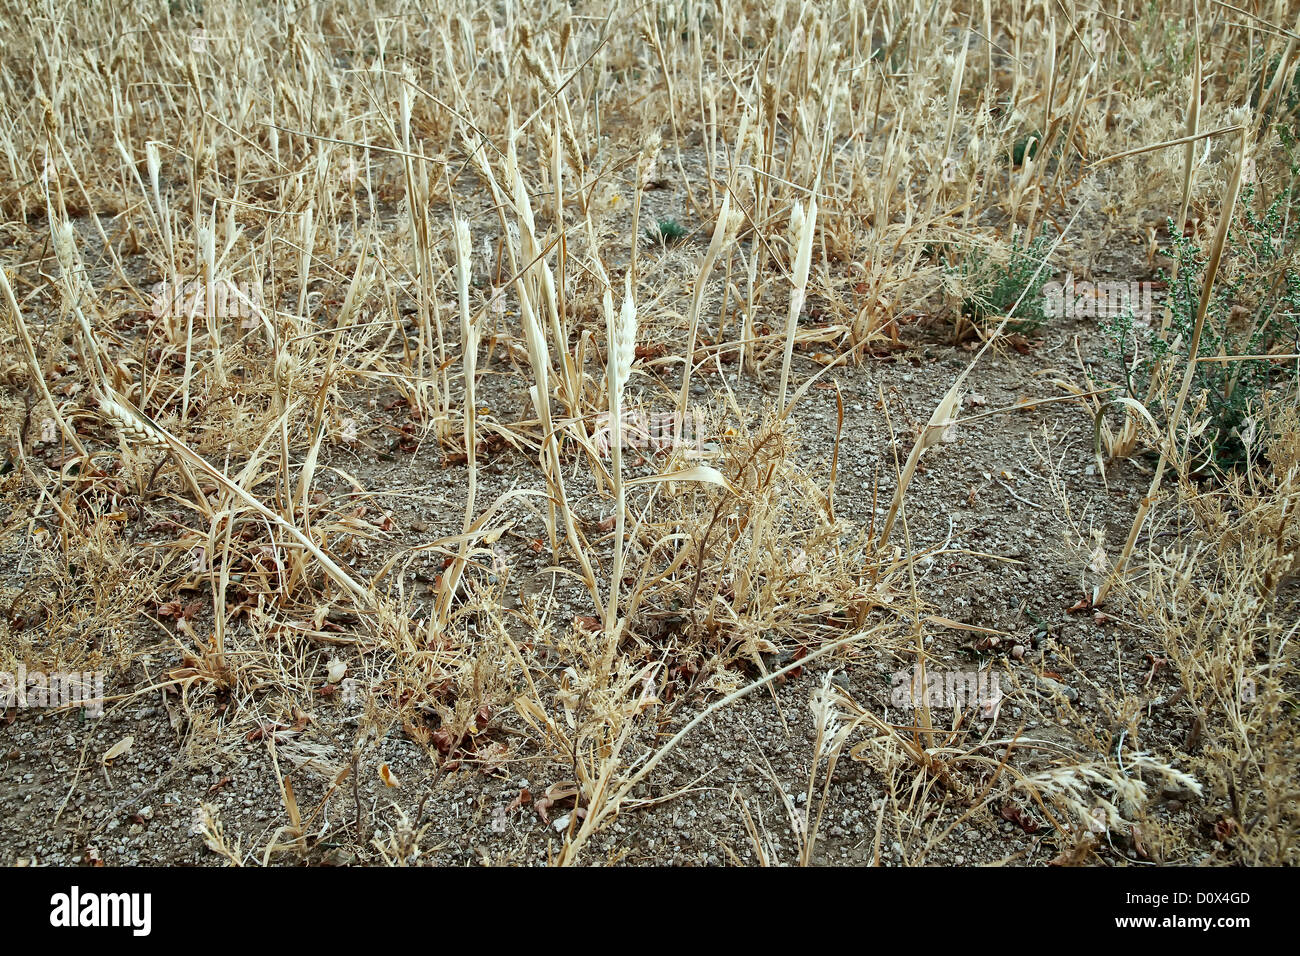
[
  {"x": 469, "y": 332},
  {"x": 803, "y": 226},
  {"x": 621, "y": 333},
  {"x": 526, "y": 288},
  {"x": 722, "y": 231}
]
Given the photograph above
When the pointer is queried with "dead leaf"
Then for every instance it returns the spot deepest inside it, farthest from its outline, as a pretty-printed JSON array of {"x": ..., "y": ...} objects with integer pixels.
[
  {"x": 119, "y": 748},
  {"x": 1015, "y": 814}
]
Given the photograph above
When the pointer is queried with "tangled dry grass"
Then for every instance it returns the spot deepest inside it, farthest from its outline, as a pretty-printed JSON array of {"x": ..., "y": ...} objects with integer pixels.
[{"x": 252, "y": 256}]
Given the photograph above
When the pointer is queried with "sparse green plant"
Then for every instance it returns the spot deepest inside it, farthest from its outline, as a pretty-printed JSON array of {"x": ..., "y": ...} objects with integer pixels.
[
  {"x": 991, "y": 287},
  {"x": 666, "y": 232},
  {"x": 1254, "y": 318},
  {"x": 1026, "y": 145}
]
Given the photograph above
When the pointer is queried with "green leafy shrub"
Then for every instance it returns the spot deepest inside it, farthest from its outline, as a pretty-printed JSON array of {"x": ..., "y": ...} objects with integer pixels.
[
  {"x": 1254, "y": 311},
  {"x": 992, "y": 288}
]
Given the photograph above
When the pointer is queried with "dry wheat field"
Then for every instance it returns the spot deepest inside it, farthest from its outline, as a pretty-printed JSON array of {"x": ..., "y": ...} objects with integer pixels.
[{"x": 649, "y": 432}]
